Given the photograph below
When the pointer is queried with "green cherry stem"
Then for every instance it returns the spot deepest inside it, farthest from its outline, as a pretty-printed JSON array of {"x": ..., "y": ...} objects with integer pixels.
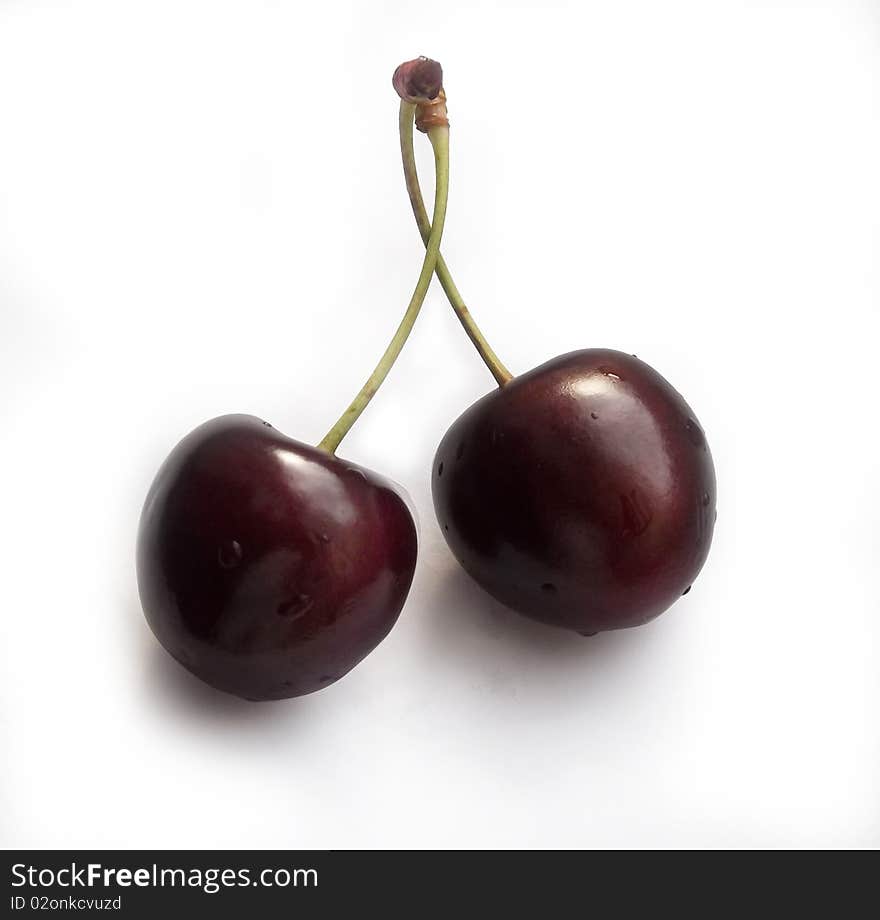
[
  {"x": 439, "y": 137},
  {"x": 501, "y": 374}
]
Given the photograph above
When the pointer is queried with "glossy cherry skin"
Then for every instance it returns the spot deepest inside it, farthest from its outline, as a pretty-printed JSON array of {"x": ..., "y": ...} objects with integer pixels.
[
  {"x": 267, "y": 567},
  {"x": 581, "y": 493}
]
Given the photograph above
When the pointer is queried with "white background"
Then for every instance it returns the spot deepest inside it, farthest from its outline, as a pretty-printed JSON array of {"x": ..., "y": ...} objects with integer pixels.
[{"x": 202, "y": 211}]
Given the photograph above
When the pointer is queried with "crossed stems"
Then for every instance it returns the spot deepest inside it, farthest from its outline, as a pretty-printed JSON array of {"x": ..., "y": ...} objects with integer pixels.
[
  {"x": 439, "y": 137},
  {"x": 492, "y": 361},
  {"x": 431, "y": 231}
]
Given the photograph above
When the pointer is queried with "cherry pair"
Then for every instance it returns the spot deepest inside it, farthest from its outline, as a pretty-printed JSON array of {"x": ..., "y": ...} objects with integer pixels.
[{"x": 581, "y": 493}]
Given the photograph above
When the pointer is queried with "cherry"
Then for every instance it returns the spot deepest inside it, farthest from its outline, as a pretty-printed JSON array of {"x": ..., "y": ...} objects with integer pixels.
[
  {"x": 581, "y": 493},
  {"x": 267, "y": 567},
  {"x": 270, "y": 568}
]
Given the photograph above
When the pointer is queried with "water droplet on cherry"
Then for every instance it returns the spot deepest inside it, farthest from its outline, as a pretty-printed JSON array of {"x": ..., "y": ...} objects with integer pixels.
[
  {"x": 296, "y": 607},
  {"x": 229, "y": 554},
  {"x": 695, "y": 433}
]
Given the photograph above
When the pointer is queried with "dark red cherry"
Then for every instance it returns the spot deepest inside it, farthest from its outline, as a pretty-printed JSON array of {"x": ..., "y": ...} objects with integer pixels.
[
  {"x": 267, "y": 567},
  {"x": 581, "y": 493}
]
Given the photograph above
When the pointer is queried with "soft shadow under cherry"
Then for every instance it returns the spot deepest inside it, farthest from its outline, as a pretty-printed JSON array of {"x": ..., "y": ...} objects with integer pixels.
[{"x": 469, "y": 629}]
